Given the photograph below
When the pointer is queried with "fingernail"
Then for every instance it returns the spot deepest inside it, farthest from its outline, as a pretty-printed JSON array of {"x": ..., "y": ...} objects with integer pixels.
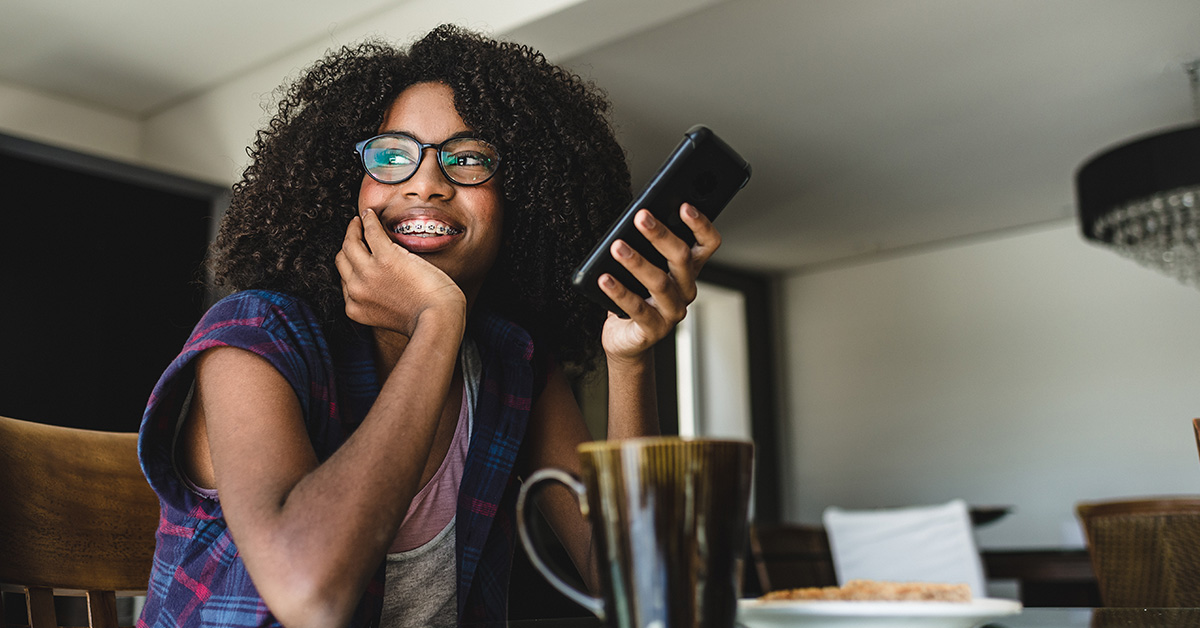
[
  {"x": 648, "y": 220},
  {"x": 620, "y": 249},
  {"x": 691, "y": 211},
  {"x": 607, "y": 281}
]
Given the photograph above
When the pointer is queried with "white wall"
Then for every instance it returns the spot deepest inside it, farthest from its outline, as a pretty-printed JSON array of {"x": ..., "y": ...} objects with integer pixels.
[
  {"x": 51, "y": 120},
  {"x": 1033, "y": 370}
]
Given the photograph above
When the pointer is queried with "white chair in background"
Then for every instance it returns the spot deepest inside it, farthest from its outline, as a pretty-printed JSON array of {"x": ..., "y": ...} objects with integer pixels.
[{"x": 915, "y": 544}]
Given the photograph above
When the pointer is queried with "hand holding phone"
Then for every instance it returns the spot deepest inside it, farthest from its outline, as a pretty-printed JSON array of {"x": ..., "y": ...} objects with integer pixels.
[{"x": 703, "y": 171}]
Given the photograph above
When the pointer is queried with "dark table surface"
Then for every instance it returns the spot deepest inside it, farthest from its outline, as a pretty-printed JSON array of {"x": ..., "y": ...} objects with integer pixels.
[
  {"x": 1100, "y": 618},
  {"x": 1028, "y": 618}
]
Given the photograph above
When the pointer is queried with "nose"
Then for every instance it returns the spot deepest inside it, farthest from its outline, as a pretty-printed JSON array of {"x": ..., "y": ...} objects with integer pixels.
[{"x": 428, "y": 181}]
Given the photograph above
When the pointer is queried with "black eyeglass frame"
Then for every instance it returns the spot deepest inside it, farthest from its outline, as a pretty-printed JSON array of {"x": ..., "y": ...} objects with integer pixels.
[{"x": 360, "y": 148}]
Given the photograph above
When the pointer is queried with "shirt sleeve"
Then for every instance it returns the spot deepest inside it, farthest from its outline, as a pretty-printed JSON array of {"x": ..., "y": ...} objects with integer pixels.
[{"x": 276, "y": 327}]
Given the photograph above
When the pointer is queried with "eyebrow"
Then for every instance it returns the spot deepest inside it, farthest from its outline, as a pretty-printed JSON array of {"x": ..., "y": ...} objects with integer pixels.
[{"x": 459, "y": 134}]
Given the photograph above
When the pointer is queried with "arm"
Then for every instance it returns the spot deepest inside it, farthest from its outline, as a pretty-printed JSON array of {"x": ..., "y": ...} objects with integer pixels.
[
  {"x": 556, "y": 423},
  {"x": 629, "y": 343},
  {"x": 312, "y": 535},
  {"x": 556, "y": 428}
]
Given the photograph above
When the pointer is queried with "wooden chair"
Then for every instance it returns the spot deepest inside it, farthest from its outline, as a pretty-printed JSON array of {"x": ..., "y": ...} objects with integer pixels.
[
  {"x": 1145, "y": 552},
  {"x": 76, "y": 516},
  {"x": 791, "y": 555}
]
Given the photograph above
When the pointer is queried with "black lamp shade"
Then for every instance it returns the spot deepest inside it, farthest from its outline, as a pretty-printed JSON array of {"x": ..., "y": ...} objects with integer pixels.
[{"x": 1136, "y": 170}]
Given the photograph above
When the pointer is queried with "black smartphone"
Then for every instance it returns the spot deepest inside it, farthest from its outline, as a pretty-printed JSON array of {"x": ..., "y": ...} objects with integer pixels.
[{"x": 704, "y": 171}]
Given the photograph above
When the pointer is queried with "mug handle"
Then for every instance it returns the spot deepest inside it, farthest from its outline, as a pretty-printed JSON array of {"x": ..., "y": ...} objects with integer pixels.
[{"x": 590, "y": 602}]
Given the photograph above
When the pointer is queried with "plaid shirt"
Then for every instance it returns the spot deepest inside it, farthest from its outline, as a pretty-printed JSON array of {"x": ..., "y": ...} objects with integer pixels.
[{"x": 198, "y": 578}]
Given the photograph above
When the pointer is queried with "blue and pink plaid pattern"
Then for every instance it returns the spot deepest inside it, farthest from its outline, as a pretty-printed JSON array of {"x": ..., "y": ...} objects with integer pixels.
[{"x": 198, "y": 577}]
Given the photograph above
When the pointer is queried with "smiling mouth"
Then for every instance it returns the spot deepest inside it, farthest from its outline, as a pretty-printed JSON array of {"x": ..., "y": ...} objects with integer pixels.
[{"x": 425, "y": 229}]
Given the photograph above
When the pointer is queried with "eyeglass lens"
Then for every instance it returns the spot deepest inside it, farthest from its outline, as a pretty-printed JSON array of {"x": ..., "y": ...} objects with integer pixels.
[{"x": 395, "y": 158}]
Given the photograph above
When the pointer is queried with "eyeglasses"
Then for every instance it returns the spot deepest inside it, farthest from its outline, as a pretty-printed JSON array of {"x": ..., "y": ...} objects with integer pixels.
[{"x": 395, "y": 158}]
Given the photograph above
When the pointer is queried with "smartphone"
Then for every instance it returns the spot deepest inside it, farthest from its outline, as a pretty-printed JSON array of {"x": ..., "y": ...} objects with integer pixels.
[{"x": 704, "y": 171}]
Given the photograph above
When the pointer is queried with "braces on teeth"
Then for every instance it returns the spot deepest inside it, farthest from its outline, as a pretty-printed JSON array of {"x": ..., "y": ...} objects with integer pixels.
[{"x": 431, "y": 228}]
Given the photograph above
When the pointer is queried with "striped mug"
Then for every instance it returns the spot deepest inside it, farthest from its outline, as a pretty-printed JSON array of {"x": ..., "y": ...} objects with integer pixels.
[{"x": 669, "y": 521}]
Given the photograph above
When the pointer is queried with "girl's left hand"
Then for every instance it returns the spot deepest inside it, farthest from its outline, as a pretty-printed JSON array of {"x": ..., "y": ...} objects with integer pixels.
[{"x": 651, "y": 319}]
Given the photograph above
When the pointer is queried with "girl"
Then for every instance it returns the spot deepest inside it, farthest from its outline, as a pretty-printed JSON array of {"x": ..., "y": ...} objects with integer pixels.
[{"x": 341, "y": 439}]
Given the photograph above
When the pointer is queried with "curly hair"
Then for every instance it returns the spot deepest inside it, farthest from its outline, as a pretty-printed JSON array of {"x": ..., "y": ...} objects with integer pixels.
[{"x": 563, "y": 178}]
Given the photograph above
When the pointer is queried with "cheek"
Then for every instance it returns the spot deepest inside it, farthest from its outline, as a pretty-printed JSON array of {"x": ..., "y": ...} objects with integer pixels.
[
  {"x": 495, "y": 220},
  {"x": 368, "y": 193}
]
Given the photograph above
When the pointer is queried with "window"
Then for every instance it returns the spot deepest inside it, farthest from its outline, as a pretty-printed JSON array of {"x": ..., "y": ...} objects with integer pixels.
[{"x": 101, "y": 279}]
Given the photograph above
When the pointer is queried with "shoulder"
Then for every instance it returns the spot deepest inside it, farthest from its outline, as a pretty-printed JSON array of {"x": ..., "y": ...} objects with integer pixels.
[
  {"x": 254, "y": 314},
  {"x": 256, "y": 307}
]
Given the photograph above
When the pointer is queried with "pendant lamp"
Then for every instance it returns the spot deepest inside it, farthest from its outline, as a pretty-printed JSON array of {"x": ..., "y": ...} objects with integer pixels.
[{"x": 1142, "y": 198}]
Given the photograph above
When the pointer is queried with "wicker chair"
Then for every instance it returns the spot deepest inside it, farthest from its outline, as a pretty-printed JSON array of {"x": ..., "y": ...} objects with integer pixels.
[
  {"x": 1196, "y": 431},
  {"x": 1145, "y": 552},
  {"x": 76, "y": 515}
]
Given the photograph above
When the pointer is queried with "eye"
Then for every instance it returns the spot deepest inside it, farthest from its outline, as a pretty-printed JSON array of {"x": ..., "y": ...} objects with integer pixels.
[
  {"x": 393, "y": 157},
  {"x": 467, "y": 159}
]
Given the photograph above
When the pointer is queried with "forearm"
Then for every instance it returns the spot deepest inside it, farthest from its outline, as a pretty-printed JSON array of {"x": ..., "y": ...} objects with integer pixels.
[
  {"x": 312, "y": 552},
  {"x": 367, "y": 484},
  {"x": 632, "y": 397},
  {"x": 556, "y": 428}
]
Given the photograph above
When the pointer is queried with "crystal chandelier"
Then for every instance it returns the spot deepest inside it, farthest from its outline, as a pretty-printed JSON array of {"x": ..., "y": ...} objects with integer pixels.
[{"x": 1142, "y": 198}]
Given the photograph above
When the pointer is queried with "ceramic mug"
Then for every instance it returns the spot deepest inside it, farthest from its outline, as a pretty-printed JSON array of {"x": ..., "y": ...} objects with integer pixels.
[{"x": 669, "y": 517}]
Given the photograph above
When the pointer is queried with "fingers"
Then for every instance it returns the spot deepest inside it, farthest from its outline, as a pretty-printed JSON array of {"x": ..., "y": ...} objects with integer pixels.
[
  {"x": 364, "y": 235},
  {"x": 353, "y": 249},
  {"x": 352, "y": 244},
  {"x": 373, "y": 232},
  {"x": 630, "y": 302},
  {"x": 674, "y": 249},
  {"x": 672, "y": 290},
  {"x": 682, "y": 259},
  {"x": 355, "y": 261},
  {"x": 354, "y": 236},
  {"x": 665, "y": 290},
  {"x": 708, "y": 239},
  {"x": 683, "y": 262}
]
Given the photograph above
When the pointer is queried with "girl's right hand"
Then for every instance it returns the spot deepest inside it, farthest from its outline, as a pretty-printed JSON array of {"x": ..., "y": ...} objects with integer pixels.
[{"x": 387, "y": 286}]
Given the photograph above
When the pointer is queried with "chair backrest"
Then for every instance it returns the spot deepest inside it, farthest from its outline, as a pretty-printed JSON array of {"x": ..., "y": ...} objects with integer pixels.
[
  {"x": 914, "y": 544},
  {"x": 1196, "y": 431},
  {"x": 792, "y": 556},
  {"x": 75, "y": 513},
  {"x": 1145, "y": 552}
]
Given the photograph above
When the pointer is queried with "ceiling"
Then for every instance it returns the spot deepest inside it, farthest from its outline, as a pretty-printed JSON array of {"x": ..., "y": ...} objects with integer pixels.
[{"x": 874, "y": 127}]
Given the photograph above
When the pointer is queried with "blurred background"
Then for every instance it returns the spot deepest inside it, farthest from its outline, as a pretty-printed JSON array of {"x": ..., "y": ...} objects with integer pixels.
[{"x": 904, "y": 310}]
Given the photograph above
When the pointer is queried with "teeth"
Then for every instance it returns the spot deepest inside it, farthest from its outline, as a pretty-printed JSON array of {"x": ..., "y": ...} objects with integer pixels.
[{"x": 426, "y": 227}]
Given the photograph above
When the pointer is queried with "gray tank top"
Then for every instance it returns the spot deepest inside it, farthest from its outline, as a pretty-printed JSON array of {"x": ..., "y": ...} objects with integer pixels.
[{"x": 421, "y": 585}]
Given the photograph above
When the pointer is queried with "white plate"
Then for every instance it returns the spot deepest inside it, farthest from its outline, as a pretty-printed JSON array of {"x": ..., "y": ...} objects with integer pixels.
[{"x": 755, "y": 613}]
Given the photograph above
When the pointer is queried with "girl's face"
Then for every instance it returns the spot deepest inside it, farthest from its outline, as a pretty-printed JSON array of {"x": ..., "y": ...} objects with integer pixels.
[{"x": 456, "y": 228}]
